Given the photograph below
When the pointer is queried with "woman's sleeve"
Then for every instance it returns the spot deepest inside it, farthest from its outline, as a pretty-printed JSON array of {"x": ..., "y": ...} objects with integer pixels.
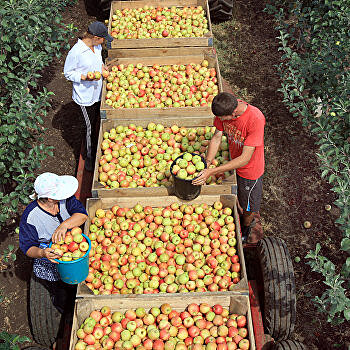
[
  {"x": 28, "y": 236},
  {"x": 73, "y": 206},
  {"x": 70, "y": 68}
]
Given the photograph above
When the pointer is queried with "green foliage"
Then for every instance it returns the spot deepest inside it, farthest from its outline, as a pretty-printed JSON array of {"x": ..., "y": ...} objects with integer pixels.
[
  {"x": 32, "y": 35},
  {"x": 333, "y": 301},
  {"x": 9, "y": 254},
  {"x": 315, "y": 84},
  {"x": 10, "y": 341}
]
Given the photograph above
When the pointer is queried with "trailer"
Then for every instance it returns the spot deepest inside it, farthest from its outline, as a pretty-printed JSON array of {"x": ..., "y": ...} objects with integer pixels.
[
  {"x": 266, "y": 292},
  {"x": 271, "y": 294}
]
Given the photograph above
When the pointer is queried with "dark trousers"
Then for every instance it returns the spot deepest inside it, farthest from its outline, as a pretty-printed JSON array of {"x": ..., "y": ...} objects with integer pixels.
[
  {"x": 91, "y": 115},
  {"x": 62, "y": 294}
]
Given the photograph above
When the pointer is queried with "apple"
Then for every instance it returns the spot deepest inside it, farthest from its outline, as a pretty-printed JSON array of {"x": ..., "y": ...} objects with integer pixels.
[
  {"x": 90, "y": 75},
  {"x": 241, "y": 321},
  {"x": 78, "y": 238}
]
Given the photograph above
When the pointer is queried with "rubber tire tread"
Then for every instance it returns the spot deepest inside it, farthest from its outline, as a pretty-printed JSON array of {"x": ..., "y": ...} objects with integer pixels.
[
  {"x": 45, "y": 318},
  {"x": 279, "y": 287},
  {"x": 227, "y": 5},
  {"x": 98, "y": 8},
  {"x": 288, "y": 345},
  {"x": 220, "y": 10}
]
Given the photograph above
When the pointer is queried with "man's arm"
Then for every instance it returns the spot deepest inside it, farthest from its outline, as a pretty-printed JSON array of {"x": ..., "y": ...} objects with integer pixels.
[
  {"x": 213, "y": 147},
  {"x": 236, "y": 163}
]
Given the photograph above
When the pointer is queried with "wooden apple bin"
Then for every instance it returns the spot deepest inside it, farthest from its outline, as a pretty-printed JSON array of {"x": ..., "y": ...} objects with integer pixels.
[
  {"x": 205, "y": 41},
  {"x": 191, "y": 55},
  {"x": 238, "y": 304},
  {"x": 228, "y": 186},
  {"x": 162, "y": 201}
]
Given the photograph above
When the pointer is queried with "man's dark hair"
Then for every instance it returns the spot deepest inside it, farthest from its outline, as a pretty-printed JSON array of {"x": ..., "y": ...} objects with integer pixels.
[{"x": 224, "y": 104}]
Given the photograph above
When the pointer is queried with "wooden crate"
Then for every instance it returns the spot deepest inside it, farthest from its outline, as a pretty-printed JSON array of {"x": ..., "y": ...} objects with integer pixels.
[
  {"x": 98, "y": 190},
  {"x": 108, "y": 112},
  {"x": 205, "y": 41},
  {"x": 238, "y": 304},
  {"x": 229, "y": 200}
]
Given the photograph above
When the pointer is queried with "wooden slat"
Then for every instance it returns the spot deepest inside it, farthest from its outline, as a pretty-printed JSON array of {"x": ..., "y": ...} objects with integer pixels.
[
  {"x": 180, "y": 112},
  {"x": 205, "y": 41},
  {"x": 238, "y": 304},
  {"x": 98, "y": 189},
  {"x": 151, "y": 52}
]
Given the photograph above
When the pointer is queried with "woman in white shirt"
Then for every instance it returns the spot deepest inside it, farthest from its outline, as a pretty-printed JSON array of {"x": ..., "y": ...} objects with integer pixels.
[{"x": 85, "y": 56}]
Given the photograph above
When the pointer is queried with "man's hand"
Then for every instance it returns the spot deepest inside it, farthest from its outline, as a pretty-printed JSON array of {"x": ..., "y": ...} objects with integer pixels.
[
  {"x": 50, "y": 254},
  {"x": 59, "y": 233},
  {"x": 202, "y": 177}
]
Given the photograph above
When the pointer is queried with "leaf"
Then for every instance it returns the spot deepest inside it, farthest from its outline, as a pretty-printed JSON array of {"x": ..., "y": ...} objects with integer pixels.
[
  {"x": 331, "y": 178},
  {"x": 345, "y": 245},
  {"x": 12, "y": 139}
]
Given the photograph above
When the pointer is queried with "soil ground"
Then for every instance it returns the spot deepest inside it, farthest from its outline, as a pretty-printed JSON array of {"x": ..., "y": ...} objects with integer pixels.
[{"x": 293, "y": 189}]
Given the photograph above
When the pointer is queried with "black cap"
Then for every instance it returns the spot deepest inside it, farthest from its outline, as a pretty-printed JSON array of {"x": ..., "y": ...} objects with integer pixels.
[{"x": 100, "y": 30}]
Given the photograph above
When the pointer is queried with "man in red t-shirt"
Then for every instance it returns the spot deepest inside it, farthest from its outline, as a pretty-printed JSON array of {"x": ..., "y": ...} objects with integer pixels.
[{"x": 243, "y": 125}]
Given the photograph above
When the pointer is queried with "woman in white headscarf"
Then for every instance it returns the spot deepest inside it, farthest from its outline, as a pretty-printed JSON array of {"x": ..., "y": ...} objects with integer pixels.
[{"x": 48, "y": 218}]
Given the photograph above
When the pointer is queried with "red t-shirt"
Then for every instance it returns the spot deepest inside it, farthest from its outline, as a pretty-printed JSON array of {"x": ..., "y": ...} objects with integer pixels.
[{"x": 246, "y": 130}]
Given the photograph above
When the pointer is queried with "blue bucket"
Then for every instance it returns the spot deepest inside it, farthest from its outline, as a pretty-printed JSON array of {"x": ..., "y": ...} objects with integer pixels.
[{"x": 75, "y": 271}]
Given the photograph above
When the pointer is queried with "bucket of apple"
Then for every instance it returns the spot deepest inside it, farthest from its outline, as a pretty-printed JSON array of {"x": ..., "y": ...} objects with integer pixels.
[
  {"x": 184, "y": 169},
  {"x": 73, "y": 265}
]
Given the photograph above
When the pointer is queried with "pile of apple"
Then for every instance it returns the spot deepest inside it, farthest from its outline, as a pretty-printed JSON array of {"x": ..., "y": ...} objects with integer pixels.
[
  {"x": 133, "y": 156},
  {"x": 188, "y": 166},
  {"x": 199, "y": 327},
  {"x": 160, "y": 22},
  {"x": 73, "y": 247},
  {"x": 178, "y": 248},
  {"x": 141, "y": 86}
]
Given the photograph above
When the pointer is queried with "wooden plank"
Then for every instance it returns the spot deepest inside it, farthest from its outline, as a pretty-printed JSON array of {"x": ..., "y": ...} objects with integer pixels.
[
  {"x": 228, "y": 200},
  {"x": 238, "y": 304},
  {"x": 205, "y": 41},
  {"x": 98, "y": 189},
  {"x": 180, "y": 112},
  {"x": 152, "y": 52}
]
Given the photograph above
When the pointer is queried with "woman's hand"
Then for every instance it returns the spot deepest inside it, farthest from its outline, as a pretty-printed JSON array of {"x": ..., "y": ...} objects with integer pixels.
[
  {"x": 59, "y": 233},
  {"x": 50, "y": 254}
]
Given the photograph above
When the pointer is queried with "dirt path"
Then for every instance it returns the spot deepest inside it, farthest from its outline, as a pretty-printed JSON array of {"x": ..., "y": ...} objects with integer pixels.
[{"x": 293, "y": 190}]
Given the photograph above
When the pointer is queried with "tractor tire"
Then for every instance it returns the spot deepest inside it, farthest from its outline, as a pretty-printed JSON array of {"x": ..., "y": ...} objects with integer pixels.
[
  {"x": 44, "y": 317},
  {"x": 98, "y": 8},
  {"x": 220, "y": 10},
  {"x": 279, "y": 309},
  {"x": 288, "y": 345}
]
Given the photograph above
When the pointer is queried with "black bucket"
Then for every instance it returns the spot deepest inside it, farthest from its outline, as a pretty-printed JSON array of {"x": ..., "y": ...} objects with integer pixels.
[{"x": 183, "y": 188}]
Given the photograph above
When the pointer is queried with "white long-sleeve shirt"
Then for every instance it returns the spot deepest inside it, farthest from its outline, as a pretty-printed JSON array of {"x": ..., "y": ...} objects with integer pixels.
[{"x": 81, "y": 60}]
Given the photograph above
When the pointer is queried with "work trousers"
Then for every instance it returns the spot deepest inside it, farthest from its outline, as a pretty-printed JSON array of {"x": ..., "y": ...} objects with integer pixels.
[{"x": 91, "y": 115}]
